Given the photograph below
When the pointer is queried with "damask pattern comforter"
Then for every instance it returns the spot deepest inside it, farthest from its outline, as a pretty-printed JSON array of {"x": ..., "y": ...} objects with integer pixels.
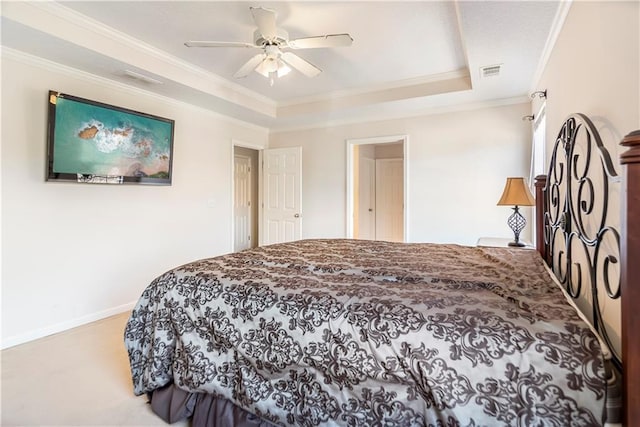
[{"x": 363, "y": 333}]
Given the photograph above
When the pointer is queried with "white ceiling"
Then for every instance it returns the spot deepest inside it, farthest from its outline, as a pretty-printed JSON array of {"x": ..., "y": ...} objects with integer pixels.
[{"x": 407, "y": 58}]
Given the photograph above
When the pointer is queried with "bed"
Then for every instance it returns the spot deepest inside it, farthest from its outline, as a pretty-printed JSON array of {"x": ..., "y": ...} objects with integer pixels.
[{"x": 363, "y": 333}]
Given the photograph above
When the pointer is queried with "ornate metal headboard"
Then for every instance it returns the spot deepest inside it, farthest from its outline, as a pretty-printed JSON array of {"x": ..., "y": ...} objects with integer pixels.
[{"x": 581, "y": 245}]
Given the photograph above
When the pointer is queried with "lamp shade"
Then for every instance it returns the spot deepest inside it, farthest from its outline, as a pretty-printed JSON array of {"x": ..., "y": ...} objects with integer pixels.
[{"x": 516, "y": 193}]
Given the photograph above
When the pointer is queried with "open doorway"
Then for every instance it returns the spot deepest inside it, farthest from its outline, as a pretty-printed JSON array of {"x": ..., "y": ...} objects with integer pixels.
[
  {"x": 376, "y": 205},
  {"x": 245, "y": 198}
]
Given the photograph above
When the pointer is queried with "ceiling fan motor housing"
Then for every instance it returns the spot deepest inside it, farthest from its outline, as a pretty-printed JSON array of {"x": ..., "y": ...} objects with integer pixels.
[{"x": 281, "y": 38}]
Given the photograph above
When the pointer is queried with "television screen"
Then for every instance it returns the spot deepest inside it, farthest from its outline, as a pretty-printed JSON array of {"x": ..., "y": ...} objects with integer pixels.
[{"x": 92, "y": 142}]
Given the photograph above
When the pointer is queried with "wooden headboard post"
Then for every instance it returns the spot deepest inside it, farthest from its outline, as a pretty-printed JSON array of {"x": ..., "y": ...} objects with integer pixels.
[
  {"x": 540, "y": 183},
  {"x": 630, "y": 272}
]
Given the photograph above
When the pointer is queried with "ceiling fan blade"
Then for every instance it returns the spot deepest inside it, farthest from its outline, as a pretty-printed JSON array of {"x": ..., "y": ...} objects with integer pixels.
[
  {"x": 249, "y": 66},
  {"x": 329, "y": 40},
  {"x": 198, "y": 43},
  {"x": 305, "y": 67},
  {"x": 265, "y": 19}
]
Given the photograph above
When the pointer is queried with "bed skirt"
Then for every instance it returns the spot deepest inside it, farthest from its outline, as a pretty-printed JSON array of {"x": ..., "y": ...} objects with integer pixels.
[{"x": 173, "y": 404}]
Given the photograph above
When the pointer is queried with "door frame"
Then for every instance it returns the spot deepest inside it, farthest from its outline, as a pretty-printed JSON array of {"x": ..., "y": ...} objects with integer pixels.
[
  {"x": 351, "y": 143},
  {"x": 258, "y": 148},
  {"x": 246, "y": 159}
]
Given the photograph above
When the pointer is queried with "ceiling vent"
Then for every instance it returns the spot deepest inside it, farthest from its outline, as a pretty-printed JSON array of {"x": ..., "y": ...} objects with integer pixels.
[
  {"x": 141, "y": 77},
  {"x": 490, "y": 71}
]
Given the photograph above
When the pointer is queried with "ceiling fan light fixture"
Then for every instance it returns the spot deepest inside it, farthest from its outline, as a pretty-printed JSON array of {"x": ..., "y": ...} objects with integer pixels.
[
  {"x": 273, "y": 67},
  {"x": 263, "y": 68},
  {"x": 271, "y": 64}
]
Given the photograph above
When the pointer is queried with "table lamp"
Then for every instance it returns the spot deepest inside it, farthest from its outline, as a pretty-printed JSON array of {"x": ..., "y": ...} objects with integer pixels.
[{"x": 516, "y": 193}]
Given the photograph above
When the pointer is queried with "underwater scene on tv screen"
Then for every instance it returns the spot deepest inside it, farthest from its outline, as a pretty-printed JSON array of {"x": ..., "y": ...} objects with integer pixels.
[{"x": 90, "y": 139}]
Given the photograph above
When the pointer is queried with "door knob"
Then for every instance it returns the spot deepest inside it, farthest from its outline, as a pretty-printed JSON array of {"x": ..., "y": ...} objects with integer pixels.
[{"x": 296, "y": 215}]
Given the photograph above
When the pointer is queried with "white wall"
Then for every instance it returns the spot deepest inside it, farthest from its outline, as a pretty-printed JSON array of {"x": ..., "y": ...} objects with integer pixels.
[
  {"x": 457, "y": 164},
  {"x": 72, "y": 253},
  {"x": 594, "y": 68}
]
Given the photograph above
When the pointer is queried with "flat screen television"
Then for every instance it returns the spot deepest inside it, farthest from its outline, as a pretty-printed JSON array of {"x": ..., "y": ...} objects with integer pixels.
[{"x": 92, "y": 142}]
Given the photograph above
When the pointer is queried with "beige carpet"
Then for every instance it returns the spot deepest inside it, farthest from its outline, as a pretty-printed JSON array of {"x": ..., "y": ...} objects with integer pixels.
[{"x": 79, "y": 377}]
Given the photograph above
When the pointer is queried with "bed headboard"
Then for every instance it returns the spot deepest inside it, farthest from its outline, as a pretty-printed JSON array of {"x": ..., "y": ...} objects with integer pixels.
[{"x": 588, "y": 255}]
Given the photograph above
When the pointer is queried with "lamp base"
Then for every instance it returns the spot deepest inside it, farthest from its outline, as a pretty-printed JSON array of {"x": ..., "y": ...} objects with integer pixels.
[{"x": 516, "y": 222}]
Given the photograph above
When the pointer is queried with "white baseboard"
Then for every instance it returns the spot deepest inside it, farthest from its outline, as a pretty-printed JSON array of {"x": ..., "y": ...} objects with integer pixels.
[{"x": 64, "y": 326}]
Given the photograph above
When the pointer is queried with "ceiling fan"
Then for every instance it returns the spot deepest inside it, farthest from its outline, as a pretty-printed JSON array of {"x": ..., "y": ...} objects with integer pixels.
[{"x": 272, "y": 61}]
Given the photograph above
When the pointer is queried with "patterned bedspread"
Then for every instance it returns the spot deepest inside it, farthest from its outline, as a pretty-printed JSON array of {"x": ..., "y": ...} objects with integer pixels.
[{"x": 362, "y": 333}]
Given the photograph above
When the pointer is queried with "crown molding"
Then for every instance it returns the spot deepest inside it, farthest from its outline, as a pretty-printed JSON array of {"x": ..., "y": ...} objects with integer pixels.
[
  {"x": 45, "y": 64},
  {"x": 370, "y": 118},
  {"x": 397, "y": 91},
  {"x": 400, "y": 84}
]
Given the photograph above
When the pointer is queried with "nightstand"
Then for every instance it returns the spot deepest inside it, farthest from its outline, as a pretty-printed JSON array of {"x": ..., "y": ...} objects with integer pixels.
[{"x": 501, "y": 242}]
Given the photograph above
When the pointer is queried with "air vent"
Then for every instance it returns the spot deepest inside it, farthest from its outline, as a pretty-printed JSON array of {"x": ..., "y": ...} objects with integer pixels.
[
  {"x": 141, "y": 77},
  {"x": 490, "y": 71}
]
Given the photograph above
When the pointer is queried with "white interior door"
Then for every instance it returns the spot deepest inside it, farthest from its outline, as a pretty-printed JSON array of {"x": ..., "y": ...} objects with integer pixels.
[
  {"x": 389, "y": 210},
  {"x": 367, "y": 199},
  {"x": 282, "y": 181},
  {"x": 242, "y": 203}
]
